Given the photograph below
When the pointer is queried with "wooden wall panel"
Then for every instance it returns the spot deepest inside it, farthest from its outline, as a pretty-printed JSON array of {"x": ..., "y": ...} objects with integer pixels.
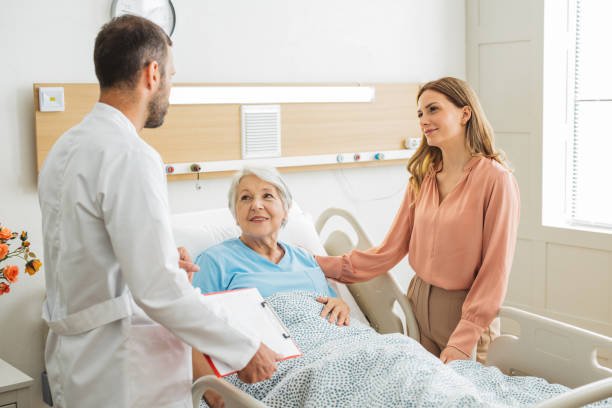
[
  {"x": 193, "y": 133},
  {"x": 212, "y": 132},
  {"x": 347, "y": 127},
  {"x": 79, "y": 99}
]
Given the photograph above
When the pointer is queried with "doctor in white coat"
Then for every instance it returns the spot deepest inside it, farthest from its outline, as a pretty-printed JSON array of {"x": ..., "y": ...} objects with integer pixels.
[{"x": 118, "y": 307}]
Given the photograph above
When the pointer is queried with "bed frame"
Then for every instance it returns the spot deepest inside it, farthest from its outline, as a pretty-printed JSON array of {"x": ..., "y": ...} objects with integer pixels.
[{"x": 559, "y": 352}]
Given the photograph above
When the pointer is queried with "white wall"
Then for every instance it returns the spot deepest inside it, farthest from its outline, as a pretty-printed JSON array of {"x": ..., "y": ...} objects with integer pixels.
[
  {"x": 215, "y": 41},
  {"x": 560, "y": 272}
]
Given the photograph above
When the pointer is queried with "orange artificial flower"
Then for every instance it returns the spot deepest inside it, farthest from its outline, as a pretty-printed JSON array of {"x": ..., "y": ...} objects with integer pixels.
[
  {"x": 33, "y": 266},
  {"x": 4, "y": 250},
  {"x": 5, "y": 233},
  {"x": 11, "y": 272}
]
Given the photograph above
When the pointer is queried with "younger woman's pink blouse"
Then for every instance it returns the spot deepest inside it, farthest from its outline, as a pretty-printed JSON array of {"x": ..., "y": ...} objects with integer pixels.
[{"x": 466, "y": 241}]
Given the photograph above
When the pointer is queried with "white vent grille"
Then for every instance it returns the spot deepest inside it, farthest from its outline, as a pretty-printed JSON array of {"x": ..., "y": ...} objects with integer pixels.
[{"x": 260, "y": 131}]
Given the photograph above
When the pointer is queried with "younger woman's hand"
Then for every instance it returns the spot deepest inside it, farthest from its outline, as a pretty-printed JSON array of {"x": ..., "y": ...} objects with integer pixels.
[
  {"x": 337, "y": 310},
  {"x": 451, "y": 354}
]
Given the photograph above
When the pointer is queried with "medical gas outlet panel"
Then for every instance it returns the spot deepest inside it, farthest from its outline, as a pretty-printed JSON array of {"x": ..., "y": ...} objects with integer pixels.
[
  {"x": 292, "y": 161},
  {"x": 359, "y": 157}
]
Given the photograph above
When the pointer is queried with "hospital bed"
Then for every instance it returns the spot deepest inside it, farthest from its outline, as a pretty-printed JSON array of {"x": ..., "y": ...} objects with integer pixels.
[{"x": 559, "y": 352}]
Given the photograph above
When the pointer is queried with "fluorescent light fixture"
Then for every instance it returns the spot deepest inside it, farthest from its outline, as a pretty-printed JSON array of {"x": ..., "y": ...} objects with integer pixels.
[{"x": 196, "y": 95}]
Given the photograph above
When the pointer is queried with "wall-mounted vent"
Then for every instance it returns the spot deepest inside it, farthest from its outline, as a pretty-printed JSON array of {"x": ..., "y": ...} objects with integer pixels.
[{"x": 261, "y": 136}]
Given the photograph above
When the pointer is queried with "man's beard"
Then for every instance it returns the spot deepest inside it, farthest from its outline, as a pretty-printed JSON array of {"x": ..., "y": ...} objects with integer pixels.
[{"x": 157, "y": 109}]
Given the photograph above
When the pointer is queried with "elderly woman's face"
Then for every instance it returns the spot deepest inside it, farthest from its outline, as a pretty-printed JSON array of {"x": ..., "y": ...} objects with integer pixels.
[{"x": 259, "y": 208}]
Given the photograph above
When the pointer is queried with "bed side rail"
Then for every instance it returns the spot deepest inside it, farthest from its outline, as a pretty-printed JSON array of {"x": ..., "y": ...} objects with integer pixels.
[
  {"x": 578, "y": 397},
  {"x": 557, "y": 351},
  {"x": 232, "y": 396},
  {"x": 375, "y": 298}
]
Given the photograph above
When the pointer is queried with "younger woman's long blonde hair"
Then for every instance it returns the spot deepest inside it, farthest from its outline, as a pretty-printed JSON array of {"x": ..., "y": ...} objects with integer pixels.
[{"x": 479, "y": 133}]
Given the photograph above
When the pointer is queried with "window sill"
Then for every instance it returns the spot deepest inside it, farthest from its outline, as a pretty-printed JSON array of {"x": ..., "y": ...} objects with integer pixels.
[
  {"x": 575, "y": 235},
  {"x": 580, "y": 227}
]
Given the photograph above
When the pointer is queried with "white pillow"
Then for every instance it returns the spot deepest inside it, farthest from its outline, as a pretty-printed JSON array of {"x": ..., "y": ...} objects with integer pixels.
[
  {"x": 300, "y": 231},
  {"x": 196, "y": 231}
]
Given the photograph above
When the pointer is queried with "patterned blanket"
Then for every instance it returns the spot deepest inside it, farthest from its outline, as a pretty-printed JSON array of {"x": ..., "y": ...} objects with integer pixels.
[{"x": 356, "y": 367}]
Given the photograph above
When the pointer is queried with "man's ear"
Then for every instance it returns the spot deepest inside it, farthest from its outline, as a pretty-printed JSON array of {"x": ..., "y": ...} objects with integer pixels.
[{"x": 152, "y": 74}]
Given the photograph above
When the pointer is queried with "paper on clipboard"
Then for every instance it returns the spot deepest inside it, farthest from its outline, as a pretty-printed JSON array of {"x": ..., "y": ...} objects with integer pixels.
[{"x": 251, "y": 314}]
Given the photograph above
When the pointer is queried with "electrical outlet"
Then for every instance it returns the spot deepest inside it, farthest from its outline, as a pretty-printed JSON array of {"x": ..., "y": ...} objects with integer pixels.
[{"x": 51, "y": 99}]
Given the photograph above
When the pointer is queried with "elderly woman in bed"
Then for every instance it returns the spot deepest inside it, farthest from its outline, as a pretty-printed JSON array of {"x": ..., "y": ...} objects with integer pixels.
[{"x": 260, "y": 200}]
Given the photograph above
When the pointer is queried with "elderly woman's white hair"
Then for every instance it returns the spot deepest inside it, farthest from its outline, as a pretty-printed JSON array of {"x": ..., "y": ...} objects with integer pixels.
[{"x": 267, "y": 174}]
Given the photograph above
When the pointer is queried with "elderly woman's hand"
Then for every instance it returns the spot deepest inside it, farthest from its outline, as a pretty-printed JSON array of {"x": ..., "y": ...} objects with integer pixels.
[{"x": 337, "y": 310}]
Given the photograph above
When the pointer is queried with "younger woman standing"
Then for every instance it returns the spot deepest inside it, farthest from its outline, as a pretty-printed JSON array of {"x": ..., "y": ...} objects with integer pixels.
[{"x": 457, "y": 223}]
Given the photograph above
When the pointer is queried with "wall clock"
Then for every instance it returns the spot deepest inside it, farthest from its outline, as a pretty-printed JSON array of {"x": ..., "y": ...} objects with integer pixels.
[{"x": 160, "y": 12}]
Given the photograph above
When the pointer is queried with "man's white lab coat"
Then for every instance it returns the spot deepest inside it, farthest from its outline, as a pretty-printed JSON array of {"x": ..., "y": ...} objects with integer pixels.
[{"x": 112, "y": 276}]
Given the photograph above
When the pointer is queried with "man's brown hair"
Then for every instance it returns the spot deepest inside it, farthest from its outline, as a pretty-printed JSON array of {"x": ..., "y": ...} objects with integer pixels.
[{"x": 124, "y": 46}]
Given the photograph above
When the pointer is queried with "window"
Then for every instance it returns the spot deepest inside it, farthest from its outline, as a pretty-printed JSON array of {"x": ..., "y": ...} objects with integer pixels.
[{"x": 589, "y": 149}]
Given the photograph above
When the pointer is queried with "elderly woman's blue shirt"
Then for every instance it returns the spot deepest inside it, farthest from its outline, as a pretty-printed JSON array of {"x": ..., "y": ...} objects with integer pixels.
[{"x": 233, "y": 265}]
